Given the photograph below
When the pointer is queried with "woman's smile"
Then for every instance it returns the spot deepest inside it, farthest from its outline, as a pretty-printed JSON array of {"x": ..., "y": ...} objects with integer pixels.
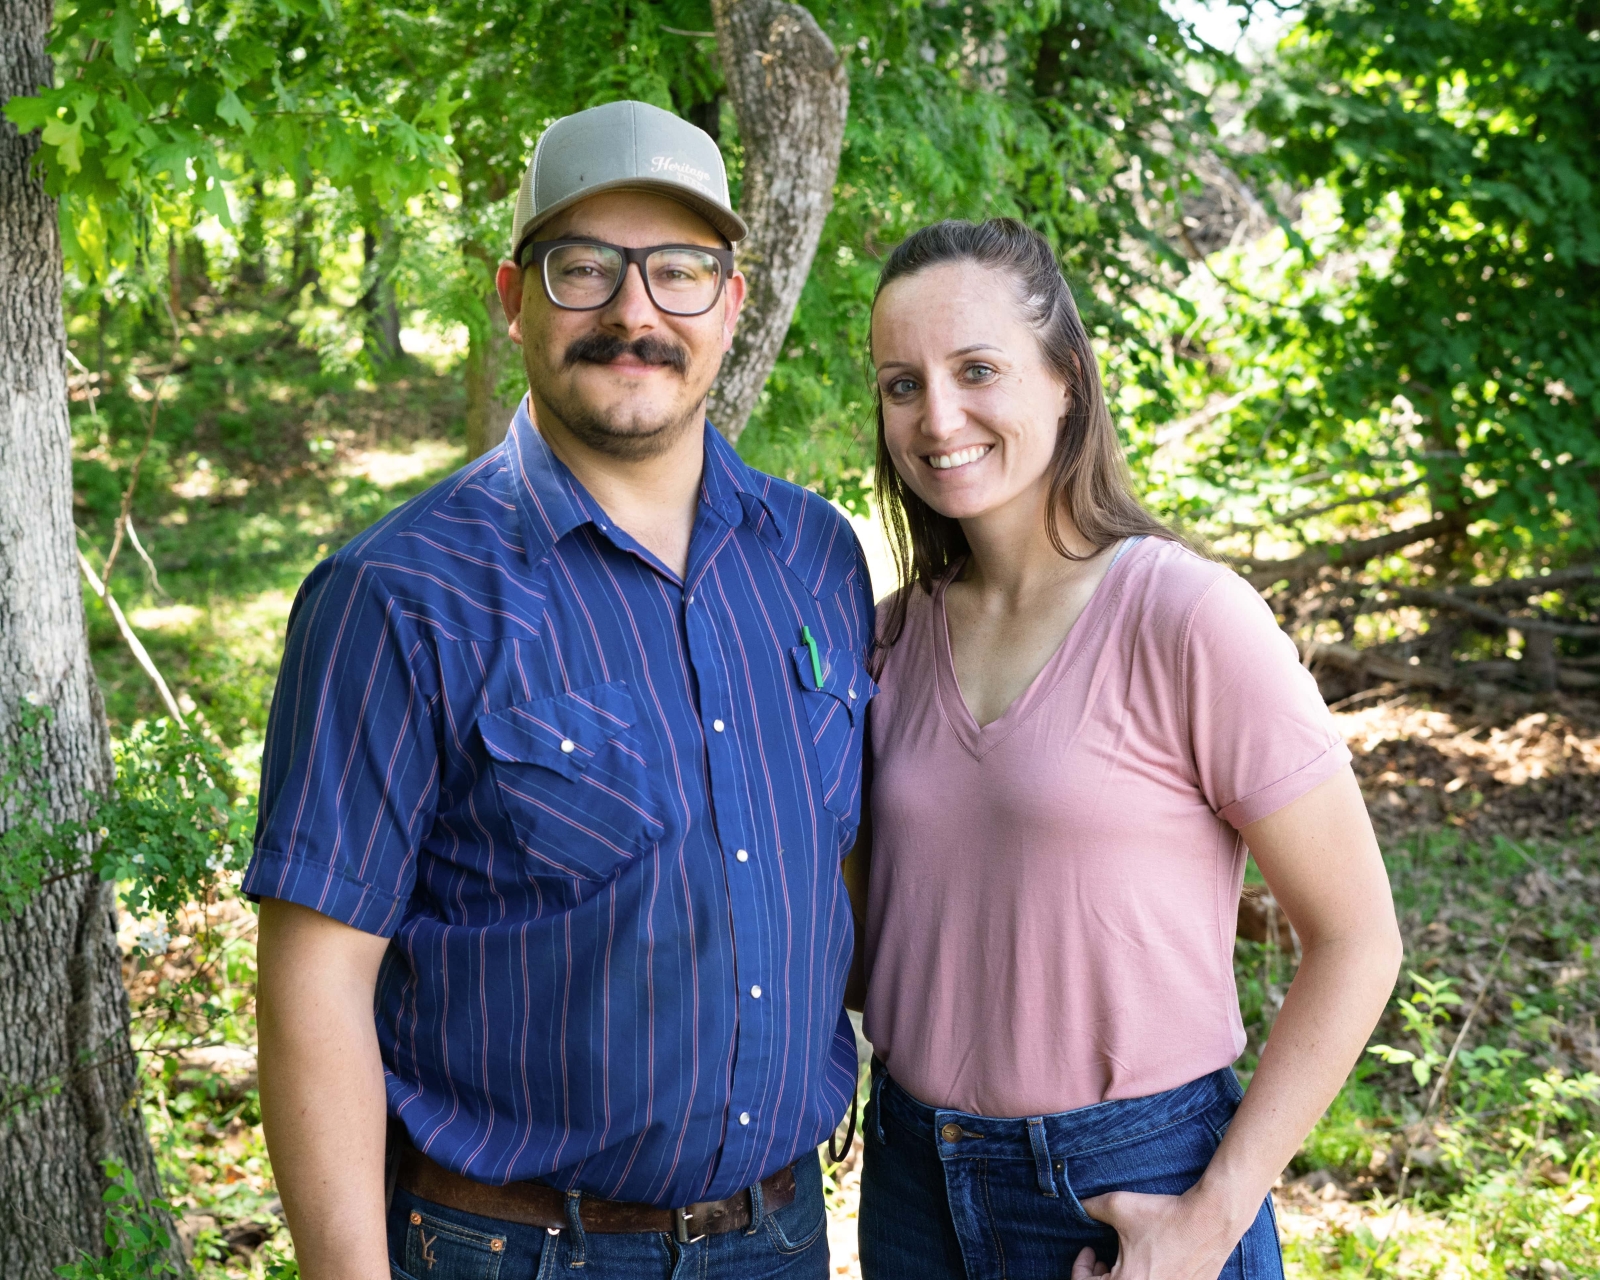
[{"x": 960, "y": 458}]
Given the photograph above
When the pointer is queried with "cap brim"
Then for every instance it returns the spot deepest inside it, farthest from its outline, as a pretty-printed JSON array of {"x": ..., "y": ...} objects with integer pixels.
[{"x": 728, "y": 223}]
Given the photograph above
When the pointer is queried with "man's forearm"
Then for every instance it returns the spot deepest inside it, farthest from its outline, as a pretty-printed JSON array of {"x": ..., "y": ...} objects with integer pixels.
[{"x": 322, "y": 1090}]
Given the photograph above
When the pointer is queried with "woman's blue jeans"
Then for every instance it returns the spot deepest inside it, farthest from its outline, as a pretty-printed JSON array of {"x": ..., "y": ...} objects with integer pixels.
[{"x": 948, "y": 1195}]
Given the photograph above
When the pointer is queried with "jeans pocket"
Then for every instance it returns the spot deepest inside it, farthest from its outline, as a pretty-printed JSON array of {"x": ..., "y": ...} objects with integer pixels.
[
  {"x": 797, "y": 1225},
  {"x": 1259, "y": 1256},
  {"x": 440, "y": 1250}
]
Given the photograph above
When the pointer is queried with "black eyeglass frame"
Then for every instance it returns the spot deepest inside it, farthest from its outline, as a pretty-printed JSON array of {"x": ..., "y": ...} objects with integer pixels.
[{"x": 537, "y": 253}]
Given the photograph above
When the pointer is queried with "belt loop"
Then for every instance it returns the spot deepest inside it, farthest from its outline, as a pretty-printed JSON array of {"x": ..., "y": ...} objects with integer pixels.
[
  {"x": 758, "y": 1209},
  {"x": 878, "y": 1078},
  {"x": 1041, "y": 1155},
  {"x": 575, "y": 1253}
]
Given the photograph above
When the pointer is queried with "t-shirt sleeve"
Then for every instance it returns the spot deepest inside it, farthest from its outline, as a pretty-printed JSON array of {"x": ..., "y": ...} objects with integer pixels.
[
  {"x": 349, "y": 777},
  {"x": 1261, "y": 734}
]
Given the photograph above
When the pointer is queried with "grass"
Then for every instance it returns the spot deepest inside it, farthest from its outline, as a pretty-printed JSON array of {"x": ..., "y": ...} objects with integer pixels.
[{"x": 1498, "y": 1166}]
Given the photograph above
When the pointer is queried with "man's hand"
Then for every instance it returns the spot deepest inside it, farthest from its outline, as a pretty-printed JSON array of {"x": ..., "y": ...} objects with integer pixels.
[
  {"x": 1159, "y": 1238},
  {"x": 322, "y": 1092}
]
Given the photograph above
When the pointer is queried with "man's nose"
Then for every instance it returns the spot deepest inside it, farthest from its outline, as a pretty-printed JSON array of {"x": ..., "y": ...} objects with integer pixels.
[{"x": 631, "y": 309}]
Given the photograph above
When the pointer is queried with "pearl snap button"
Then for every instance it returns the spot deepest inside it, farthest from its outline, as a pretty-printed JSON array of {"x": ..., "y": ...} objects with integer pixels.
[
  {"x": 743, "y": 855},
  {"x": 852, "y": 693},
  {"x": 568, "y": 745},
  {"x": 755, "y": 993},
  {"x": 717, "y": 725},
  {"x": 691, "y": 599},
  {"x": 744, "y": 1117}
]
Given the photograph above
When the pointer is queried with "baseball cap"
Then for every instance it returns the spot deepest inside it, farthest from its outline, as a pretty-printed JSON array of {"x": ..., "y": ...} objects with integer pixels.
[{"x": 623, "y": 146}]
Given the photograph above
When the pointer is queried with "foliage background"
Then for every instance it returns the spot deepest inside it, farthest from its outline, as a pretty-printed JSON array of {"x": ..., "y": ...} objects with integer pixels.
[{"x": 1343, "y": 286}]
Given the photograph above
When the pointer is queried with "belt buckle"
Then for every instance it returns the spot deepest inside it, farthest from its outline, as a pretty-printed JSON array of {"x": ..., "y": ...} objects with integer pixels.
[{"x": 680, "y": 1228}]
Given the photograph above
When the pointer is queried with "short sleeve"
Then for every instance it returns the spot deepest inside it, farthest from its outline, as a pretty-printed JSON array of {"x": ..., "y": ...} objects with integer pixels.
[
  {"x": 1261, "y": 734},
  {"x": 350, "y": 772}
]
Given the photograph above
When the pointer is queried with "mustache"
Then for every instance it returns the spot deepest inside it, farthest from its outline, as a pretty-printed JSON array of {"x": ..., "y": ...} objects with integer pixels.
[{"x": 603, "y": 348}]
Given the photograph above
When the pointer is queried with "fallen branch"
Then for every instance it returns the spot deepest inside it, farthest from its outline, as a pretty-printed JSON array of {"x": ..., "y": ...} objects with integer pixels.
[
  {"x": 1366, "y": 662},
  {"x": 140, "y": 654},
  {"x": 1532, "y": 586},
  {"x": 1452, "y": 601},
  {"x": 1350, "y": 554}
]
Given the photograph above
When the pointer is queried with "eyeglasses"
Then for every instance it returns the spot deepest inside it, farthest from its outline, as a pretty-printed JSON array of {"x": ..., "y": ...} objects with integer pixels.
[{"x": 585, "y": 275}]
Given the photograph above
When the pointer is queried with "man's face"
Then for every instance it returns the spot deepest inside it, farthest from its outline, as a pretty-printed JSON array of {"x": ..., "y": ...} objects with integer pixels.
[{"x": 628, "y": 379}]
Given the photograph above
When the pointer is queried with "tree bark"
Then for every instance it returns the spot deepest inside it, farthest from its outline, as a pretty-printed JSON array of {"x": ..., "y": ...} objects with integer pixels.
[
  {"x": 791, "y": 95},
  {"x": 67, "y": 1072},
  {"x": 380, "y": 248},
  {"x": 489, "y": 355}
]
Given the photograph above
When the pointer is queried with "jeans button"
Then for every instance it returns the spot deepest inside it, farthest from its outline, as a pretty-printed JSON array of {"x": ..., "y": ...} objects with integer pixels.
[{"x": 951, "y": 1132}]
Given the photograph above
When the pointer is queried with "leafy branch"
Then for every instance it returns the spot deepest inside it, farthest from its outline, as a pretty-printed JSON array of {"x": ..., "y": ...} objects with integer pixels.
[{"x": 170, "y": 826}]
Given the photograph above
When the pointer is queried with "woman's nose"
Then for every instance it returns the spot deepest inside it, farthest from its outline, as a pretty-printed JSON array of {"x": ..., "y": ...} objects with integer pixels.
[{"x": 943, "y": 414}]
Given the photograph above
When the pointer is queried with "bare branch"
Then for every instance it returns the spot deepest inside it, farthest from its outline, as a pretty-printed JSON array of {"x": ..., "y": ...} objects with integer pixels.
[
  {"x": 1532, "y": 586},
  {"x": 1482, "y": 613},
  {"x": 1387, "y": 495},
  {"x": 1366, "y": 662},
  {"x": 1350, "y": 555},
  {"x": 140, "y": 654}
]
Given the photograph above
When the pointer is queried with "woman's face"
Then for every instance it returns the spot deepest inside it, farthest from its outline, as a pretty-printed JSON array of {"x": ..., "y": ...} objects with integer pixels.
[{"x": 971, "y": 410}]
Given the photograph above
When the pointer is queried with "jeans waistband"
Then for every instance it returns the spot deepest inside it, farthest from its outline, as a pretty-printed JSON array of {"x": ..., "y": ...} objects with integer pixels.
[{"x": 1070, "y": 1133}]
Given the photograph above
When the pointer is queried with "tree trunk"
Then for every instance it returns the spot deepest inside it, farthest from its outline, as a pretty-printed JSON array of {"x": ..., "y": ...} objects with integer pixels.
[
  {"x": 253, "y": 239},
  {"x": 67, "y": 1073},
  {"x": 380, "y": 248},
  {"x": 489, "y": 355},
  {"x": 1539, "y": 658},
  {"x": 790, "y": 94}
]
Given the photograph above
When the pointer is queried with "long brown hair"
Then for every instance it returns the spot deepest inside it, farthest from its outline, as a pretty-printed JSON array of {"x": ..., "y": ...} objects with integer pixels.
[{"x": 1088, "y": 474}]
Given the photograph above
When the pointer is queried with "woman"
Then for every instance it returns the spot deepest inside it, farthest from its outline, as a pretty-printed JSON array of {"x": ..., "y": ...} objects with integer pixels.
[{"x": 1082, "y": 724}]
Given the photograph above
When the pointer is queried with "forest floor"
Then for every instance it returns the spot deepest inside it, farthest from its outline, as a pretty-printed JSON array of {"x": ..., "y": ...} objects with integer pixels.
[{"x": 1487, "y": 813}]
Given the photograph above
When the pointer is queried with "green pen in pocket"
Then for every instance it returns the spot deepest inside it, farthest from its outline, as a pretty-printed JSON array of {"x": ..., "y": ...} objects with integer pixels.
[{"x": 816, "y": 661}]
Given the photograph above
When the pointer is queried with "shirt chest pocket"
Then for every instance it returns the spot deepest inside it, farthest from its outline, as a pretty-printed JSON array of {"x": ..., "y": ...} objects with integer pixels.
[
  {"x": 572, "y": 778},
  {"x": 836, "y": 689}
]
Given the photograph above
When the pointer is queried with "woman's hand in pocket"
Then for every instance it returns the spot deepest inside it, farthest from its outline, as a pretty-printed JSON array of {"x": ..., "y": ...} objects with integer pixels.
[{"x": 1160, "y": 1237}]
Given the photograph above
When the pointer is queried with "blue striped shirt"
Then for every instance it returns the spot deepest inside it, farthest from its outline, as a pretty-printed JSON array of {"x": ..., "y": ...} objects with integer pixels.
[{"x": 600, "y": 812}]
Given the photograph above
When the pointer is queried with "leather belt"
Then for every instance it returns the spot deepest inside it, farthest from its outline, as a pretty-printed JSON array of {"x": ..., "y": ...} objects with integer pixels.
[{"x": 535, "y": 1205}]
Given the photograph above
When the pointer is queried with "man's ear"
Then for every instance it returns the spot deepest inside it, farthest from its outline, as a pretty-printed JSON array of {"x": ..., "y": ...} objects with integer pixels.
[
  {"x": 508, "y": 284},
  {"x": 733, "y": 296}
]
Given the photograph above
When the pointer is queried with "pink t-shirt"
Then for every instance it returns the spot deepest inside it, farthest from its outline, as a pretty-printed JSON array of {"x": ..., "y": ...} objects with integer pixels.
[{"x": 1051, "y": 915}]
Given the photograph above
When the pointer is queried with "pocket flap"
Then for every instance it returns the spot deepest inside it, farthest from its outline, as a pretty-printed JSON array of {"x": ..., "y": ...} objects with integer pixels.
[
  {"x": 562, "y": 732},
  {"x": 842, "y": 675}
]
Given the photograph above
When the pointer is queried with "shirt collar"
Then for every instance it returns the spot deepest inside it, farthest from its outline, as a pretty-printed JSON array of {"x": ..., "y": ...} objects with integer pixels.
[{"x": 553, "y": 503}]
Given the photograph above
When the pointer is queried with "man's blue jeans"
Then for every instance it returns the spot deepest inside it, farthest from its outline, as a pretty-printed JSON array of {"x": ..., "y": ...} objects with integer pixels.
[
  {"x": 947, "y": 1195},
  {"x": 430, "y": 1242}
]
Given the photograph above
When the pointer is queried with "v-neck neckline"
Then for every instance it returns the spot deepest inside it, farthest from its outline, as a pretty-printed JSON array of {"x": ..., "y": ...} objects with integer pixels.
[{"x": 978, "y": 739}]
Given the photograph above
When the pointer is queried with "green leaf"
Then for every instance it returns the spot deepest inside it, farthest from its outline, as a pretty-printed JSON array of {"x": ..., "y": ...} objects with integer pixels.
[
  {"x": 123, "y": 28},
  {"x": 67, "y": 139},
  {"x": 235, "y": 113},
  {"x": 28, "y": 114}
]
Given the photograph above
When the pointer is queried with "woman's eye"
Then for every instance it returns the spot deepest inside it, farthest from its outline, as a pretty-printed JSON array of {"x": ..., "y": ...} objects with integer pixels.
[
  {"x": 978, "y": 372},
  {"x": 901, "y": 387}
]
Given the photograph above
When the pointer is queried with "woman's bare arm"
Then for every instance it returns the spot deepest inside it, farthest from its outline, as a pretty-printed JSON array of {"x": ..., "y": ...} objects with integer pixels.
[
  {"x": 322, "y": 1092},
  {"x": 1321, "y": 861}
]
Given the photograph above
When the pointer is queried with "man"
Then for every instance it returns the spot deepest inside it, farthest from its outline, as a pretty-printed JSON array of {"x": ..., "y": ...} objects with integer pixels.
[{"x": 563, "y": 759}]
